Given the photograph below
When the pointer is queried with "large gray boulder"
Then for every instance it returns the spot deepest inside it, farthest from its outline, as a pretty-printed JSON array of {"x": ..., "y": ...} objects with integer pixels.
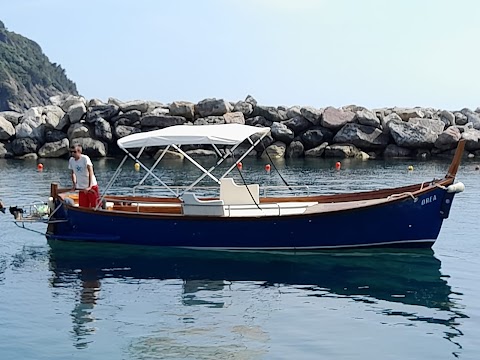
[
  {"x": 298, "y": 124},
  {"x": 294, "y": 111},
  {"x": 11, "y": 116},
  {"x": 124, "y": 130},
  {"x": 472, "y": 117},
  {"x": 91, "y": 147},
  {"x": 6, "y": 129},
  {"x": 130, "y": 118},
  {"x": 32, "y": 125},
  {"x": 162, "y": 121},
  {"x": 342, "y": 151},
  {"x": 295, "y": 150},
  {"x": 264, "y": 143},
  {"x": 251, "y": 100},
  {"x": 234, "y": 118},
  {"x": 315, "y": 136},
  {"x": 410, "y": 135},
  {"x": 311, "y": 114},
  {"x": 472, "y": 137},
  {"x": 407, "y": 114},
  {"x": 258, "y": 120},
  {"x": 6, "y": 150},
  {"x": 103, "y": 130},
  {"x": 210, "y": 120},
  {"x": 107, "y": 112},
  {"x": 244, "y": 107},
  {"x": 460, "y": 119},
  {"x": 448, "y": 139},
  {"x": 201, "y": 153},
  {"x": 275, "y": 151},
  {"x": 22, "y": 146},
  {"x": 65, "y": 101},
  {"x": 367, "y": 117},
  {"x": 76, "y": 112},
  {"x": 169, "y": 155},
  {"x": 54, "y": 149},
  {"x": 395, "y": 151},
  {"x": 386, "y": 119},
  {"x": 362, "y": 136},
  {"x": 437, "y": 126},
  {"x": 138, "y": 105},
  {"x": 78, "y": 130},
  {"x": 281, "y": 132},
  {"x": 274, "y": 114},
  {"x": 155, "y": 106},
  {"x": 317, "y": 151},
  {"x": 212, "y": 107},
  {"x": 335, "y": 119},
  {"x": 182, "y": 108},
  {"x": 53, "y": 115},
  {"x": 94, "y": 102},
  {"x": 447, "y": 117},
  {"x": 52, "y": 135}
]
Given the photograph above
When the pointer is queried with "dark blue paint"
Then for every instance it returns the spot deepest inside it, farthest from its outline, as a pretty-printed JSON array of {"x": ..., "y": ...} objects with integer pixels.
[{"x": 392, "y": 224}]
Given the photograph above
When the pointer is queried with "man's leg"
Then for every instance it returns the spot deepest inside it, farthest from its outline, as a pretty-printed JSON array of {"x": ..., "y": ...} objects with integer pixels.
[
  {"x": 93, "y": 196},
  {"x": 83, "y": 200}
]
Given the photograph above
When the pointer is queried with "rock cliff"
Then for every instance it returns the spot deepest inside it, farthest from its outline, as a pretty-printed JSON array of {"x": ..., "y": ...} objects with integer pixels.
[{"x": 27, "y": 77}]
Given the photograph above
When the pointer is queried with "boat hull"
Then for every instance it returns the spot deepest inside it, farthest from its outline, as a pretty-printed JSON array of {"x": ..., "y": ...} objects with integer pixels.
[{"x": 408, "y": 222}]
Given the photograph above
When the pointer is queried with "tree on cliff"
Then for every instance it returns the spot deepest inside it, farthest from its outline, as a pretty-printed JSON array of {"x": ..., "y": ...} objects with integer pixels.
[{"x": 27, "y": 77}]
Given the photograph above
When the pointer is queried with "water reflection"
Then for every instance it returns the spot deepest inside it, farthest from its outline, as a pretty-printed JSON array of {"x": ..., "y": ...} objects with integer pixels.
[
  {"x": 3, "y": 267},
  {"x": 410, "y": 277}
]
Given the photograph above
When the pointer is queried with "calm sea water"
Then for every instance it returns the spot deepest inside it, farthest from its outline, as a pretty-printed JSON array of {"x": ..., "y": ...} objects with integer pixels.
[{"x": 83, "y": 301}]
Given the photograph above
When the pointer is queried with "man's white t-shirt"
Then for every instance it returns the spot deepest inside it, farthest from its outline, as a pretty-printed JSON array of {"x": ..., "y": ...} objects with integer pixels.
[{"x": 79, "y": 167}]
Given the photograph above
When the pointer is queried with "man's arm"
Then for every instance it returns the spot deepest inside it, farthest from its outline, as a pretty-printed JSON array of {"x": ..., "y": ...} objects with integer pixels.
[
  {"x": 90, "y": 177},
  {"x": 74, "y": 180}
]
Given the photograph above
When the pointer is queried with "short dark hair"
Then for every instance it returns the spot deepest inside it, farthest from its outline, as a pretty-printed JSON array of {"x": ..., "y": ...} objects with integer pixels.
[{"x": 76, "y": 146}]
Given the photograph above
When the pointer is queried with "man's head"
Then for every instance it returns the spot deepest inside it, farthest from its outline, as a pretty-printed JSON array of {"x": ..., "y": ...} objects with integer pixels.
[{"x": 76, "y": 151}]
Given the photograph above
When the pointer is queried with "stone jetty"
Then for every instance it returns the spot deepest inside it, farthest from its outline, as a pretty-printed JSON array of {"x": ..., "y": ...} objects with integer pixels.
[{"x": 297, "y": 131}]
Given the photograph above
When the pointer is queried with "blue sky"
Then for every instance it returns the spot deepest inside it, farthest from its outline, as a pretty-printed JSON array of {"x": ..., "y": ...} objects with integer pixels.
[{"x": 320, "y": 53}]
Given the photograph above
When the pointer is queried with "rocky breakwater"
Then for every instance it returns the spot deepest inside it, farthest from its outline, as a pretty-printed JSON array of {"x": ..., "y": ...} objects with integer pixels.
[{"x": 350, "y": 131}]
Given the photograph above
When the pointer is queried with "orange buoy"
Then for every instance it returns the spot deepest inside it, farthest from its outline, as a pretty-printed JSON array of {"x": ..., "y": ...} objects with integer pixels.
[
  {"x": 40, "y": 167},
  {"x": 267, "y": 168},
  {"x": 338, "y": 165},
  {"x": 239, "y": 166}
]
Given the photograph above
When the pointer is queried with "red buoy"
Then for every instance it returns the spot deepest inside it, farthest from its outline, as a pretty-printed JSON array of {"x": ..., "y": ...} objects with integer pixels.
[
  {"x": 267, "y": 168},
  {"x": 239, "y": 166},
  {"x": 338, "y": 165},
  {"x": 40, "y": 167}
]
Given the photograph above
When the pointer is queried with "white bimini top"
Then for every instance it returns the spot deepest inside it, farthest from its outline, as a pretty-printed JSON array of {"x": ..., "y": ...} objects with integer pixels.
[{"x": 221, "y": 134}]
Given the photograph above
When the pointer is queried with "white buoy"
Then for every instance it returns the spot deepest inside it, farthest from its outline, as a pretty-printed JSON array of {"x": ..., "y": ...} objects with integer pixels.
[{"x": 456, "y": 188}]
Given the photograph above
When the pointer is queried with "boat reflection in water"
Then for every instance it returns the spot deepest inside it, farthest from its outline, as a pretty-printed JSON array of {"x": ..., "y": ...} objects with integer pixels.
[{"x": 381, "y": 277}]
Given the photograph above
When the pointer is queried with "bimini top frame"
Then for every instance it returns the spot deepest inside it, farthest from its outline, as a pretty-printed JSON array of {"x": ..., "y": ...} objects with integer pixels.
[{"x": 175, "y": 136}]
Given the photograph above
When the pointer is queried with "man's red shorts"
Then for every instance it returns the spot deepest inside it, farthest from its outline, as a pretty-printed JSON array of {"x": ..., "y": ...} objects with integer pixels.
[{"x": 89, "y": 198}]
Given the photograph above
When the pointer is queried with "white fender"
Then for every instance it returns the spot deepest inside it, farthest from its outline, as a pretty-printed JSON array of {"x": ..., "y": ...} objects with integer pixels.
[
  {"x": 456, "y": 188},
  {"x": 51, "y": 204}
]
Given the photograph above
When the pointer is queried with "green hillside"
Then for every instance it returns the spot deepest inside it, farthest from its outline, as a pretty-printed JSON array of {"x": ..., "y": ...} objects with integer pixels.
[{"x": 27, "y": 77}]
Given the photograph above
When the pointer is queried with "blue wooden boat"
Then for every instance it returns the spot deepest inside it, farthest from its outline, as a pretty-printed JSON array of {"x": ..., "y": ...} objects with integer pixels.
[{"x": 241, "y": 217}]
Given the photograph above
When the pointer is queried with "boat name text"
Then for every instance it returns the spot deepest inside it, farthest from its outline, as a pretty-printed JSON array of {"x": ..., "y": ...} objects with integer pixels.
[{"x": 429, "y": 199}]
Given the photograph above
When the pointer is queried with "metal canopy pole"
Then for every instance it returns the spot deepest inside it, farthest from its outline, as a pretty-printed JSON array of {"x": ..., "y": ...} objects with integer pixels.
[
  {"x": 115, "y": 175},
  {"x": 228, "y": 152},
  {"x": 112, "y": 180},
  {"x": 244, "y": 155},
  {"x": 200, "y": 167},
  {"x": 155, "y": 164},
  {"x": 149, "y": 172}
]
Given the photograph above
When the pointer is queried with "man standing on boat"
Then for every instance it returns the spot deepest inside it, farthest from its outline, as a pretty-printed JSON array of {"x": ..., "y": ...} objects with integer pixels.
[{"x": 83, "y": 178}]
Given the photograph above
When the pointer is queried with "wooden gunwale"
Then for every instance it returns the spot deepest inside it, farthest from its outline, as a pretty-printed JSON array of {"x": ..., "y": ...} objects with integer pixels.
[{"x": 121, "y": 203}]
